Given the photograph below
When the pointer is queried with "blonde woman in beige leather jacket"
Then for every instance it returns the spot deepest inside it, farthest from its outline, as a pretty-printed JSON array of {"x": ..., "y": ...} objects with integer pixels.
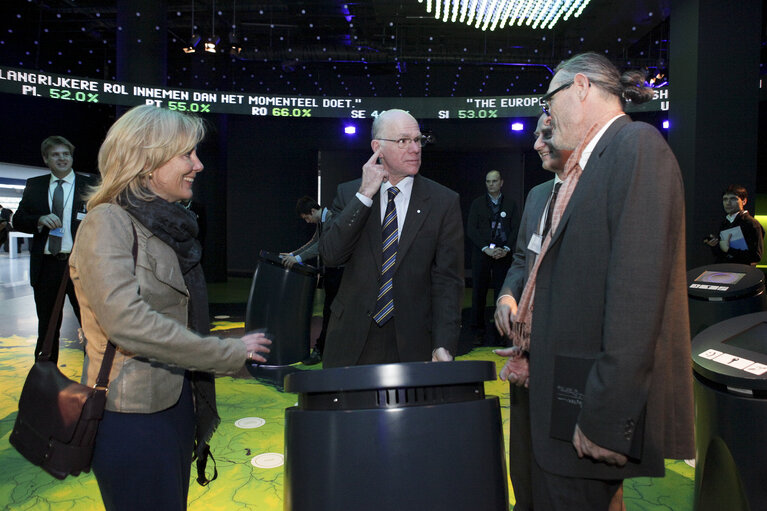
[{"x": 161, "y": 403}]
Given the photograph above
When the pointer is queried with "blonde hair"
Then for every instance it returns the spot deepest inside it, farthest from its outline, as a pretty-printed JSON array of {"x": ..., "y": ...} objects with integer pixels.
[{"x": 143, "y": 139}]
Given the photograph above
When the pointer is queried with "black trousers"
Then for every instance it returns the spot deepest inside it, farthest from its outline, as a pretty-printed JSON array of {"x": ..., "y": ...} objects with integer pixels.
[
  {"x": 143, "y": 460},
  {"x": 520, "y": 447},
  {"x": 45, "y": 291},
  {"x": 331, "y": 281},
  {"x": 553, "y": 492},
  {"x": 485, "y": 271}
]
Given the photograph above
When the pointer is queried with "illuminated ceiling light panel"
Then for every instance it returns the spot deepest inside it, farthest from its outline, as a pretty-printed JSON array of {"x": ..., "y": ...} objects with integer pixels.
[{"x": 489, "y": 14}]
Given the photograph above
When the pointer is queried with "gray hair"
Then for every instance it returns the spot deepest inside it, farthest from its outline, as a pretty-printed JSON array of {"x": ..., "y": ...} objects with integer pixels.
[{"x": 629, "y": 86}]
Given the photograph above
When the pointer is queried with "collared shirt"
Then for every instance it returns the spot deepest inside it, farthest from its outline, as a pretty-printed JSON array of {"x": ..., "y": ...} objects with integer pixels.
[
  {"x": 731, "y": 218},
  {"x": 401, "y": 201},
  {"x": 542, "y": 221},
  {"x": 68, "y": 187},
  {"x": 591, "y": 145}
]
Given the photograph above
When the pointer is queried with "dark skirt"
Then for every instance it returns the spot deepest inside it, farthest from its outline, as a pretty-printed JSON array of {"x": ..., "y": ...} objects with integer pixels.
[{"x": 143, "y": 461}]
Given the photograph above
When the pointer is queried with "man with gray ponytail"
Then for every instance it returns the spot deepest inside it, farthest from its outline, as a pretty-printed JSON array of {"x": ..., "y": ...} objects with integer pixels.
[{"x": 609, "y": 341}]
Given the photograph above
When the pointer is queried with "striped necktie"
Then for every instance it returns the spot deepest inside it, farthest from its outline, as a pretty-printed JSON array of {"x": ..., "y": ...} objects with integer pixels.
[{"x": 385, "y": 301}]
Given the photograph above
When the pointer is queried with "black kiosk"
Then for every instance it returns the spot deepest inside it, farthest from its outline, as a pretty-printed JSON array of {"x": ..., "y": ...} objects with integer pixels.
[
  {"x": 280, "y": 303},
  {"x": 730, "y": 385},
  {"x": 721, "y": 291},
  {"x": 407, "y": 437}
]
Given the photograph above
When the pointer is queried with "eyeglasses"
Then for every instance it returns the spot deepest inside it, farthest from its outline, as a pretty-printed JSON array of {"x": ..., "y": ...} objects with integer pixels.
[
  {"x": 545, "y": 100},
  {"x": 404, "y": 142}
]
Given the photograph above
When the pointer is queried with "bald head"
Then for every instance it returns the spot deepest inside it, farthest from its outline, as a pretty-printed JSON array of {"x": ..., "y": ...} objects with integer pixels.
[
  {"x": 398, "y": 160},
  {"x": 387, "y": 117}
]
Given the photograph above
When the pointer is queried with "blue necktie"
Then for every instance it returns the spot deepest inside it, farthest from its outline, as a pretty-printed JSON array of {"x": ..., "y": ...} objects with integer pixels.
[{"x": 385, "y": 301}]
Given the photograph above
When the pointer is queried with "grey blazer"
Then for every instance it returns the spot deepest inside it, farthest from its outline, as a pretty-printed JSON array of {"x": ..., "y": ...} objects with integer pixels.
[
  {"x": 428, "y": 278},
  {"x": 612, "y": 288},
  {"x": 143, "y": 312},
  {"x": 524, "y": 259}
]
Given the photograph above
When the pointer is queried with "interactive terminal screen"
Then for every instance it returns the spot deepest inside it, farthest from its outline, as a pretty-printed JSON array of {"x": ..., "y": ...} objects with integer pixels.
[
  {"x": 754, "y": 339},
  {"x": 720, "y": 277}
]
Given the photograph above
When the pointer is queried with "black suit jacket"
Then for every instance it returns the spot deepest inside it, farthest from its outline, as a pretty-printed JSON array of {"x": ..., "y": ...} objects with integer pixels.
[
  {"x": 34, "y": 204},
  {"x": 478, "y": 224},
  {"x": 428, "y": 273}
]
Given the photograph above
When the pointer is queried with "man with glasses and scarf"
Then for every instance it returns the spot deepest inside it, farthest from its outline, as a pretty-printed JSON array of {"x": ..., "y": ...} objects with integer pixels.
[
  {"x": 603, "y": 312},
  {"x": 399, "y": 236}
]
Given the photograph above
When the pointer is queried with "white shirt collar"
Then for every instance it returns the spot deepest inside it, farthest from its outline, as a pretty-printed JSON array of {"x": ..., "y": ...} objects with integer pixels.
[
  {"x": 405, "y": 187},
  {"x": 69, "y": 178},
  {"x": 591, "y": 145}
]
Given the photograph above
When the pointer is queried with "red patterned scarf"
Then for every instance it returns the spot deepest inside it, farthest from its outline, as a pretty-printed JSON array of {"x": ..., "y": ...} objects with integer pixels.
[{"x": 520, "y": 332}]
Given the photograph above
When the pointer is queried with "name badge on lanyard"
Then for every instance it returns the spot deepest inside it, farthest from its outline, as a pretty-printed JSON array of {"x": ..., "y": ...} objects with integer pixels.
[{"x": 535, "y": 243}]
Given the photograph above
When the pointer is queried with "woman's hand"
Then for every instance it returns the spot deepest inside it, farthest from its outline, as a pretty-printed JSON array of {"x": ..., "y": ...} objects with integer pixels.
[{"x": 255, "y": 344}]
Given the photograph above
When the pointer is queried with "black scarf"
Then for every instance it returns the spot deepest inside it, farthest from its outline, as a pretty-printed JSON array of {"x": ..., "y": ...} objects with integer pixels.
[{"x": 177, "y": 227}]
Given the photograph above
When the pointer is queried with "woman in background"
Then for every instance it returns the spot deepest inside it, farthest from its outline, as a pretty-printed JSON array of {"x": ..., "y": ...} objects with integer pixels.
[{"x": 161, "y": 408}]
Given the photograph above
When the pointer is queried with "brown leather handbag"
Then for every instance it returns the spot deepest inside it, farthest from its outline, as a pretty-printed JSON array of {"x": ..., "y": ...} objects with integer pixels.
[{"x": 58, "y": 418}]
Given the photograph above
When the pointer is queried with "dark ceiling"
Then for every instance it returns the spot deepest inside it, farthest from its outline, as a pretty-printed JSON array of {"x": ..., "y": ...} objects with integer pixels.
[{"x": 331, "y": 47}]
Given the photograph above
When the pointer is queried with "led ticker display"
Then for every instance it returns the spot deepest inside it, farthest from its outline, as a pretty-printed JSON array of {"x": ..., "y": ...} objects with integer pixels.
[{"x": 87, "y": 90}]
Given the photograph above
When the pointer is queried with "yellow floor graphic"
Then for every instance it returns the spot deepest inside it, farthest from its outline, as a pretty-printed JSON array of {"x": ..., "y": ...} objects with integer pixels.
[{"x": 248, "y": 447}]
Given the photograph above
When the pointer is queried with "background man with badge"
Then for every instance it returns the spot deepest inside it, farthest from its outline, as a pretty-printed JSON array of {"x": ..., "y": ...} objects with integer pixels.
[
  {"x": 51, "y": 209},
  {"x": 492, "y": 228}
]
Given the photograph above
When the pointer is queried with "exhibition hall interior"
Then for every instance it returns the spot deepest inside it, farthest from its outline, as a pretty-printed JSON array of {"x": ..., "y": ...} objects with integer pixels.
[{"x": 288, "y": 92}]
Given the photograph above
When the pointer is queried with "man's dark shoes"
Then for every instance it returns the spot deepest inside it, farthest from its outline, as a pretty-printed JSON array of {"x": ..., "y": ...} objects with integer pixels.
[{"x": 314, "y": 358}]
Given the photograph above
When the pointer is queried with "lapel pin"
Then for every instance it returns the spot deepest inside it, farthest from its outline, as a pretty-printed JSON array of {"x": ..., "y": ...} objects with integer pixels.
[{"x": 418, "y": 211}]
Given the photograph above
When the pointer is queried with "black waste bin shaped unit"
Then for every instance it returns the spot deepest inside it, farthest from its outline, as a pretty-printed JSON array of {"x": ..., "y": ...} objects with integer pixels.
[
  {"x": 721, "y": 291},
  {"x": 412, "y": 436},
  {"x": 280, "y": 303},
  {"x": 730, "y": 385}
]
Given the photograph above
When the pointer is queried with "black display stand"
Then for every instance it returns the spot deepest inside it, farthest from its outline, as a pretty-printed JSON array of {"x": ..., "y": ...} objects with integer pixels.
[
  {"x": 414, "y": 436},
  {"x": 280, "y": 304},
  {"x": 730, "y": 385},
  {"x": 721, "y": 291}
]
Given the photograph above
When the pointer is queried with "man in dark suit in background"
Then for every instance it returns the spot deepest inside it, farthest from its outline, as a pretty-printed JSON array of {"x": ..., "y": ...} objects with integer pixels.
[
  {"x": 312, "y": 213},
  {"x": 604, "y": 307},
  {"x": 400, "y": 296},
  {"x": 492, "y": 228},
  {"x": 51, "y": 209}
]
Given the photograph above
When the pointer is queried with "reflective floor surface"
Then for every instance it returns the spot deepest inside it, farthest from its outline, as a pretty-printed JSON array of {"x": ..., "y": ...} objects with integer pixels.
[{"x": 248, "y": 445}]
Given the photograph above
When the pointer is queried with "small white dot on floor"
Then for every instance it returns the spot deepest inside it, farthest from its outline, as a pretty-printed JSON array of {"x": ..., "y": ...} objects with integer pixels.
[
  {"x": 249, "y": 422},
  {"x": 268, "y": 460}
]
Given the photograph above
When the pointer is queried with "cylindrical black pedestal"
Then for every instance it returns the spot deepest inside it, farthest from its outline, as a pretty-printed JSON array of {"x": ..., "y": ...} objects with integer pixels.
[
  {"x": 415, "y": 436},
  {"x": 280, "y": 302},
  {"x": 730, "y": 385},
  {"x": 722, "y": 291}
]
